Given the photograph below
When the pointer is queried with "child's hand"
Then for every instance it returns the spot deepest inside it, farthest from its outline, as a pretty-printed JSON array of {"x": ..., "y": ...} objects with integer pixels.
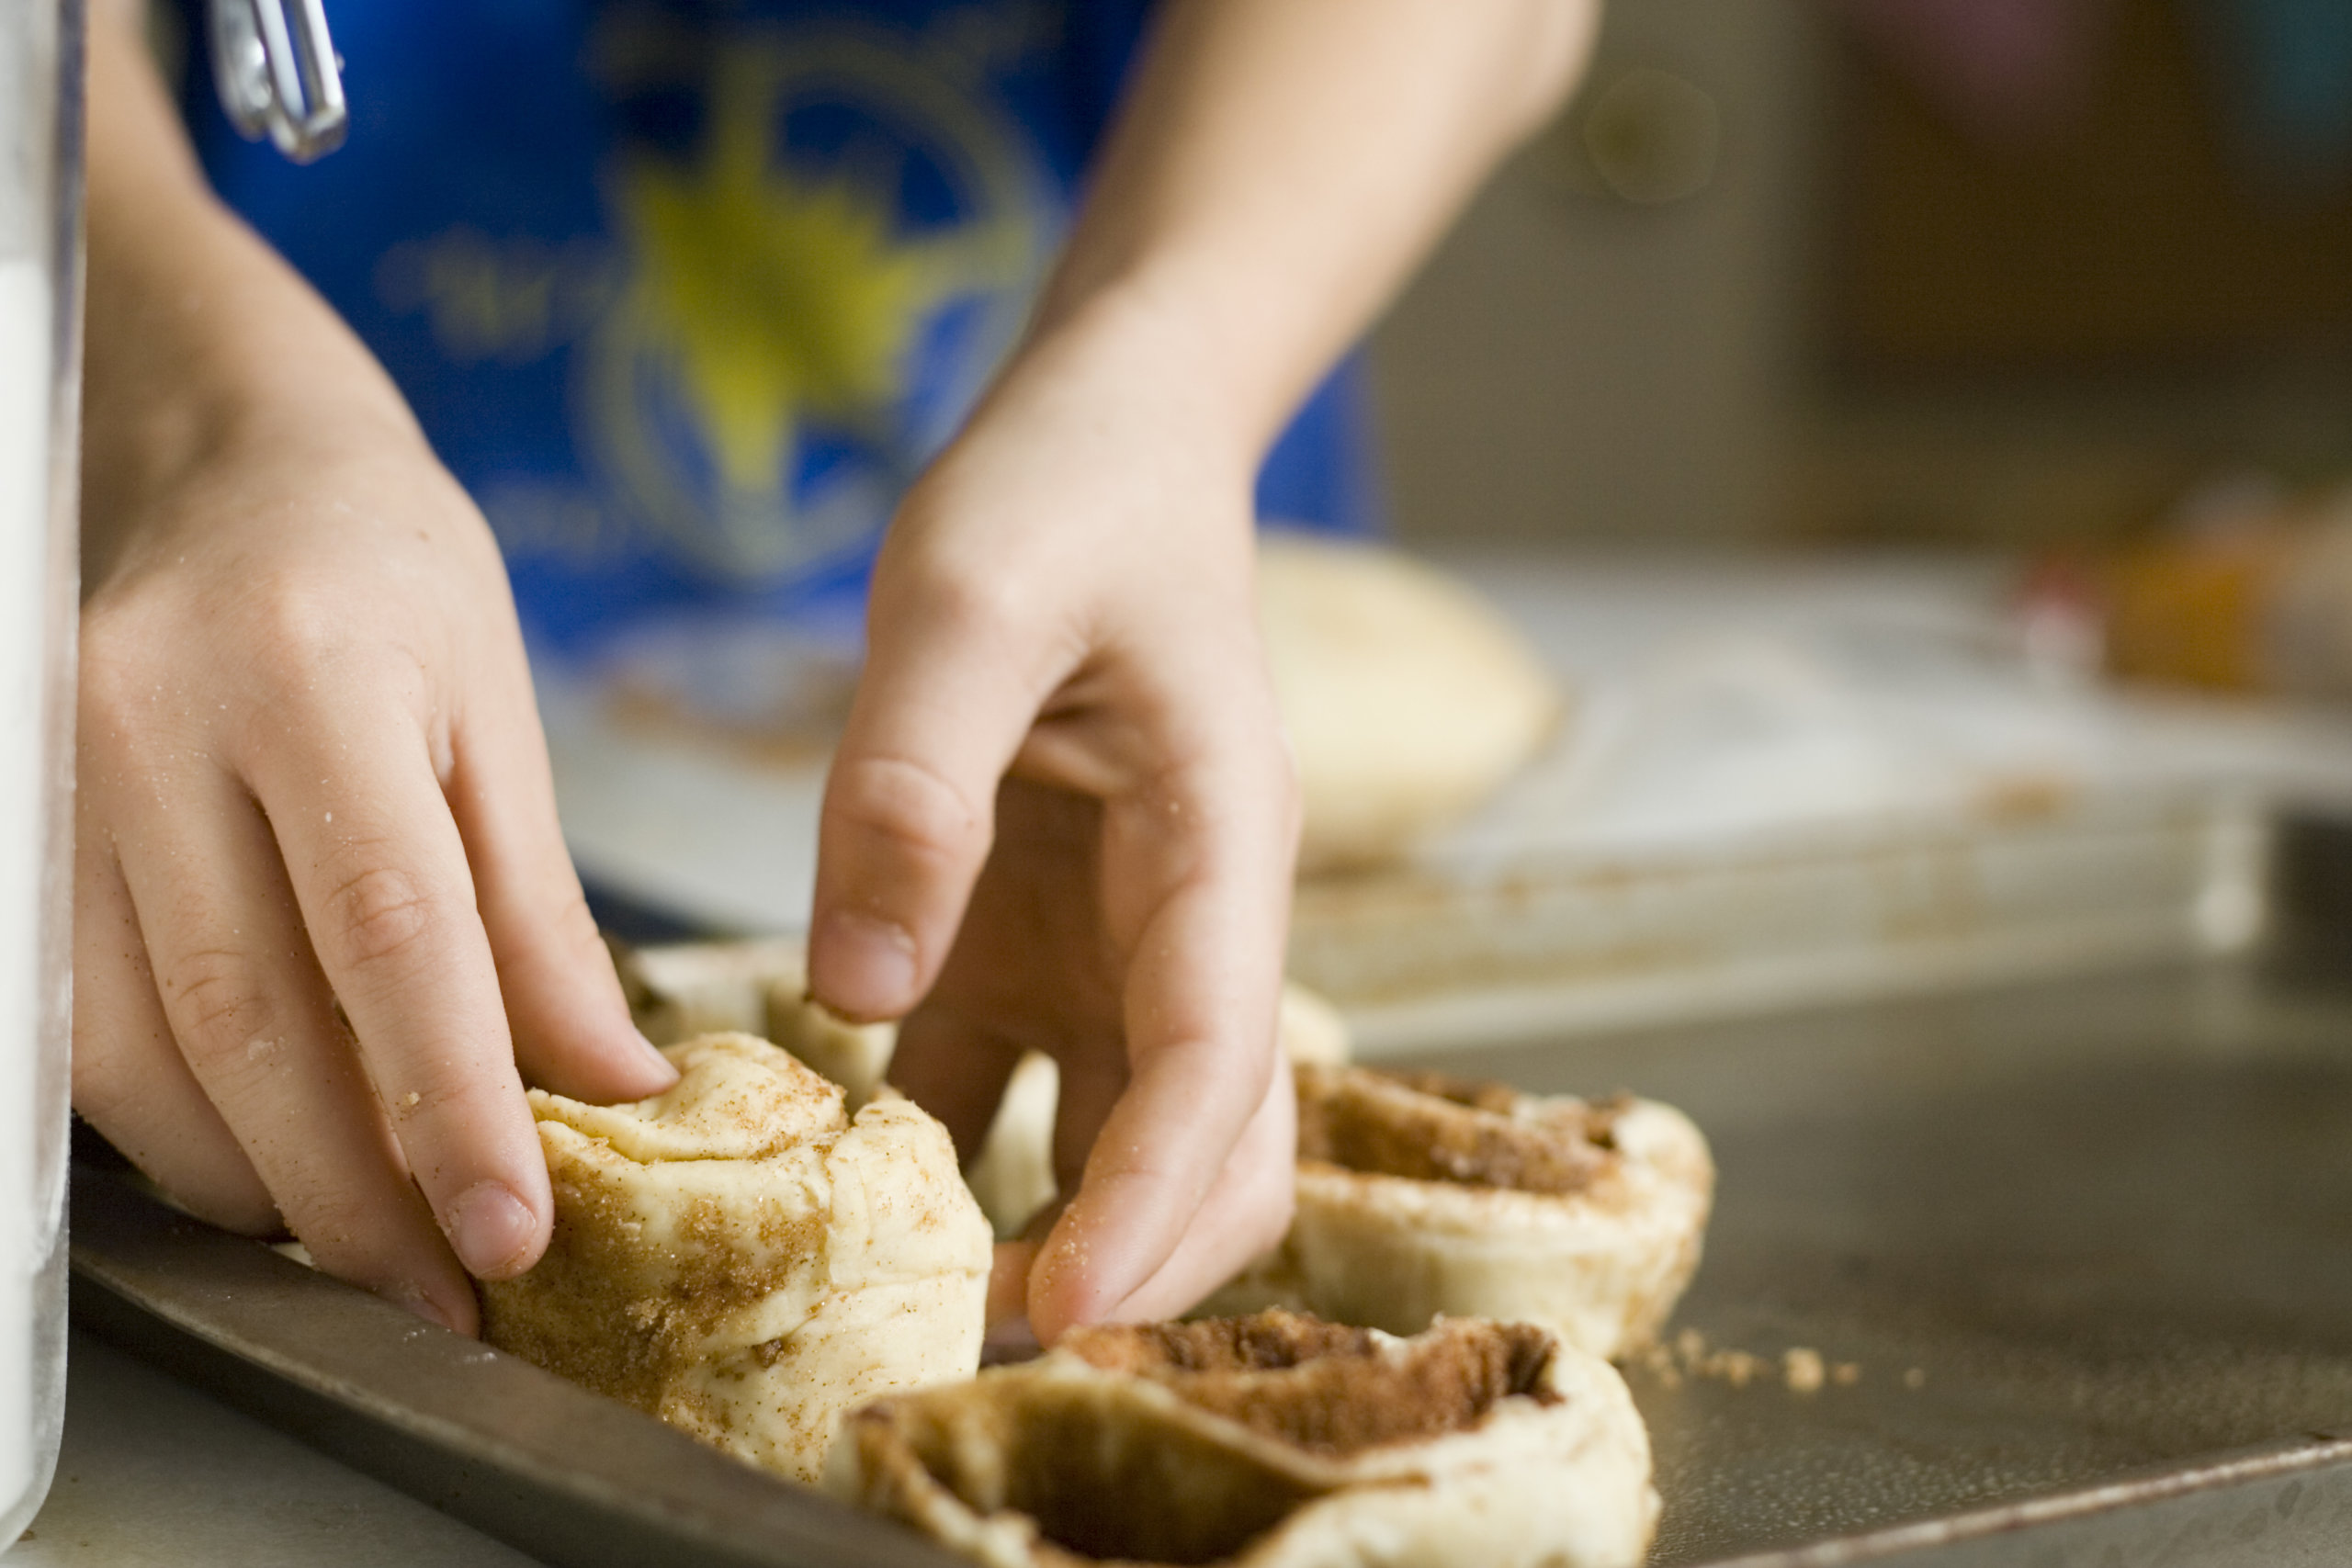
[
  {"x": 311, "y": 769},
  {"x": 1063, "y": 818},
  {"x": 321, "y": 911}
]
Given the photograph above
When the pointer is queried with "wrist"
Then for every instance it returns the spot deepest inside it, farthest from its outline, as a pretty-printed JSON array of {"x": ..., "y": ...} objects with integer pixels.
[
  {"x": 231, "y": 361},
  {"x": 1145, "y": 339},
  {"x": 200, "y": 341}
]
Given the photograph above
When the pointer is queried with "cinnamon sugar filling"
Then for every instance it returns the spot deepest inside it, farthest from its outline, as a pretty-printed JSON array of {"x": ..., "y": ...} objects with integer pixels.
[
  {"x": 1428, "y": 1127},
  {"x": 1331, "y": 1390},
  {"x": 1101, "y": 1484},
  {"x": 1098, "y": 1483}
]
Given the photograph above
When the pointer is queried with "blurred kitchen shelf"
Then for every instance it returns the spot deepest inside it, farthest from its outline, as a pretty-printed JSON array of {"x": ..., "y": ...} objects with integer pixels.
[{"x": 1418, "y": 959}]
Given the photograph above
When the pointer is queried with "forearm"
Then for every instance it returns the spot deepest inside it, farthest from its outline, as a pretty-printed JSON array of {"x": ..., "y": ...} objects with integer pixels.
[
  {"x": 199, "y": 336},
  {"x": 1278, "y": 168}
]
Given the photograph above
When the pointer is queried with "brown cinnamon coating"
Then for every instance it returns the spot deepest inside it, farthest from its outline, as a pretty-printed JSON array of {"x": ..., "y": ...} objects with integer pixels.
[
  {"x": 1101, "y": 1485},
  {"x": 1260, "y": 1342},
  {"x": 743, "y": 1259},
  {"x": 1428, "y": 1127},
  {"x": 1326, "y": 1388}
]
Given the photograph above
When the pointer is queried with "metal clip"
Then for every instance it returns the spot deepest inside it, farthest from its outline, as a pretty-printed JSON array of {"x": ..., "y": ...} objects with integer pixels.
[{"x": 277, "y": 73}]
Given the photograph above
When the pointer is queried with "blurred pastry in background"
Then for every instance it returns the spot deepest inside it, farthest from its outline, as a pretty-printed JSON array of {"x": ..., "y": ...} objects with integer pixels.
[
  {"x": 1273, "y": 1441},
  {"x": 1420, "y": 1195},
  {"x": 741, "y": 1257},
  {"x": 1408, "y": 698}
]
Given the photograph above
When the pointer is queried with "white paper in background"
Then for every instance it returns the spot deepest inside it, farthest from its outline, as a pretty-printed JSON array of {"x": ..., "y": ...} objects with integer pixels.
[
  {"x": 1726, "y": 734},
  {"x": 1726, "y": 700},
  {"x": 25, "y": 329}
]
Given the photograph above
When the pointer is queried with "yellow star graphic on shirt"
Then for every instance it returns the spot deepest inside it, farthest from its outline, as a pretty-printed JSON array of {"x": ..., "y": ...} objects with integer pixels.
[{"x": 783, "y": 297}]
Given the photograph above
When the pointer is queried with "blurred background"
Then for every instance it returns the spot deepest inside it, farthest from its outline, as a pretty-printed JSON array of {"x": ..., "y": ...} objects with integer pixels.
[
  {"x": 1907, "y": 440},
  {"x": 1894, "y": 272}
]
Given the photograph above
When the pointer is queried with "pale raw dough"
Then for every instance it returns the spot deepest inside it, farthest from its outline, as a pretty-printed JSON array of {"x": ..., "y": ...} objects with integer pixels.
[
  {"x": 755, "y": 986},
  {"x": 1408, "y": 699},
  {"x": 1012, "y": 1176},
  {"x": 1419, "y": 1195},
  {"x": 853, "y": 1055},
  {"x": 677, "y": 990},
  {"x": 1270, "y": 1442},
  {"x": 743, "y": 1259},
  {"x": 1311, "y": 1031}
]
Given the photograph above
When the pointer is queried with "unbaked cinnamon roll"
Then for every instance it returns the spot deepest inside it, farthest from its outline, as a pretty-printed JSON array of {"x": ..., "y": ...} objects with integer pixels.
[
  {"x": 1271, "y": 1441},
  {"x": 1420, "y": 1195},
  {"x": 741, "y": 1257}
]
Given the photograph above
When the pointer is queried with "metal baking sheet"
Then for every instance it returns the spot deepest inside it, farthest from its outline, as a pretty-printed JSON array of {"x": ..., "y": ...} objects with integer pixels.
[
  {"x": 567, "y": 1475},
  {"x": 2089, "y": 1244}
]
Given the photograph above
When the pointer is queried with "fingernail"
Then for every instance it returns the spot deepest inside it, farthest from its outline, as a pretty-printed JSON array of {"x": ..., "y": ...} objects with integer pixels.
[
  {"x": 490, "y": 1228},
  {"x": 419, "y": 1301},
  {"x": 656, "y": 1060},
  {"x": 867, "y": 965}
]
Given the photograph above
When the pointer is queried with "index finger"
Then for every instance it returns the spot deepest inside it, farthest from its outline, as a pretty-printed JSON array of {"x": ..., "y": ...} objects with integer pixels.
[
  {"x": 952, "y": 681},
  {"x": 1196, "y": 865},
  {"x": 382, "y": 881}
]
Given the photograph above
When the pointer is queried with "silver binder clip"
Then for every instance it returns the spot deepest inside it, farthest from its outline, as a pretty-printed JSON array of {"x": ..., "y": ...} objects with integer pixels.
[{"x": 277, "y": 73}]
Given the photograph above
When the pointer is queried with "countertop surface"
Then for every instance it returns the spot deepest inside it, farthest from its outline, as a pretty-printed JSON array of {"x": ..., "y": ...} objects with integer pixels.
[{"x": 154, "y": 1472}]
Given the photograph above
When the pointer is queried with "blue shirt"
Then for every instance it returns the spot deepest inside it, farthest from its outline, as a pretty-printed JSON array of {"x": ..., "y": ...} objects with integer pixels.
[{"x": 686, "y": 293}]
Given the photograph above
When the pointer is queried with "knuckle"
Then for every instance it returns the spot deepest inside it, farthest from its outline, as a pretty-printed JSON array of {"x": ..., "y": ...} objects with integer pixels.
[
  {"x": 218, "y": 1011},
  {"x": 977, "y": 606},
  {"x": 434, "y": 1091},
  {"x": 294, "y": 623},
  {"x": 912, "y": 806},
  {"x": 1252, "y": 801},
  {"x": 981, "y": 600},
  {"x": 444, "y": 1113},
  {"x": 305, "y": 643},
  {"x": 378, "y": 916}
]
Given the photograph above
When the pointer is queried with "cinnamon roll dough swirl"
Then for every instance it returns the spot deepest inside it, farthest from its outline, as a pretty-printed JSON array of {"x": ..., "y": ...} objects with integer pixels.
[
  {"x": 1420, "y": 1195},
  {"x": 1271, "y": 1441},
  {"x": 741, "y": 1257}
]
